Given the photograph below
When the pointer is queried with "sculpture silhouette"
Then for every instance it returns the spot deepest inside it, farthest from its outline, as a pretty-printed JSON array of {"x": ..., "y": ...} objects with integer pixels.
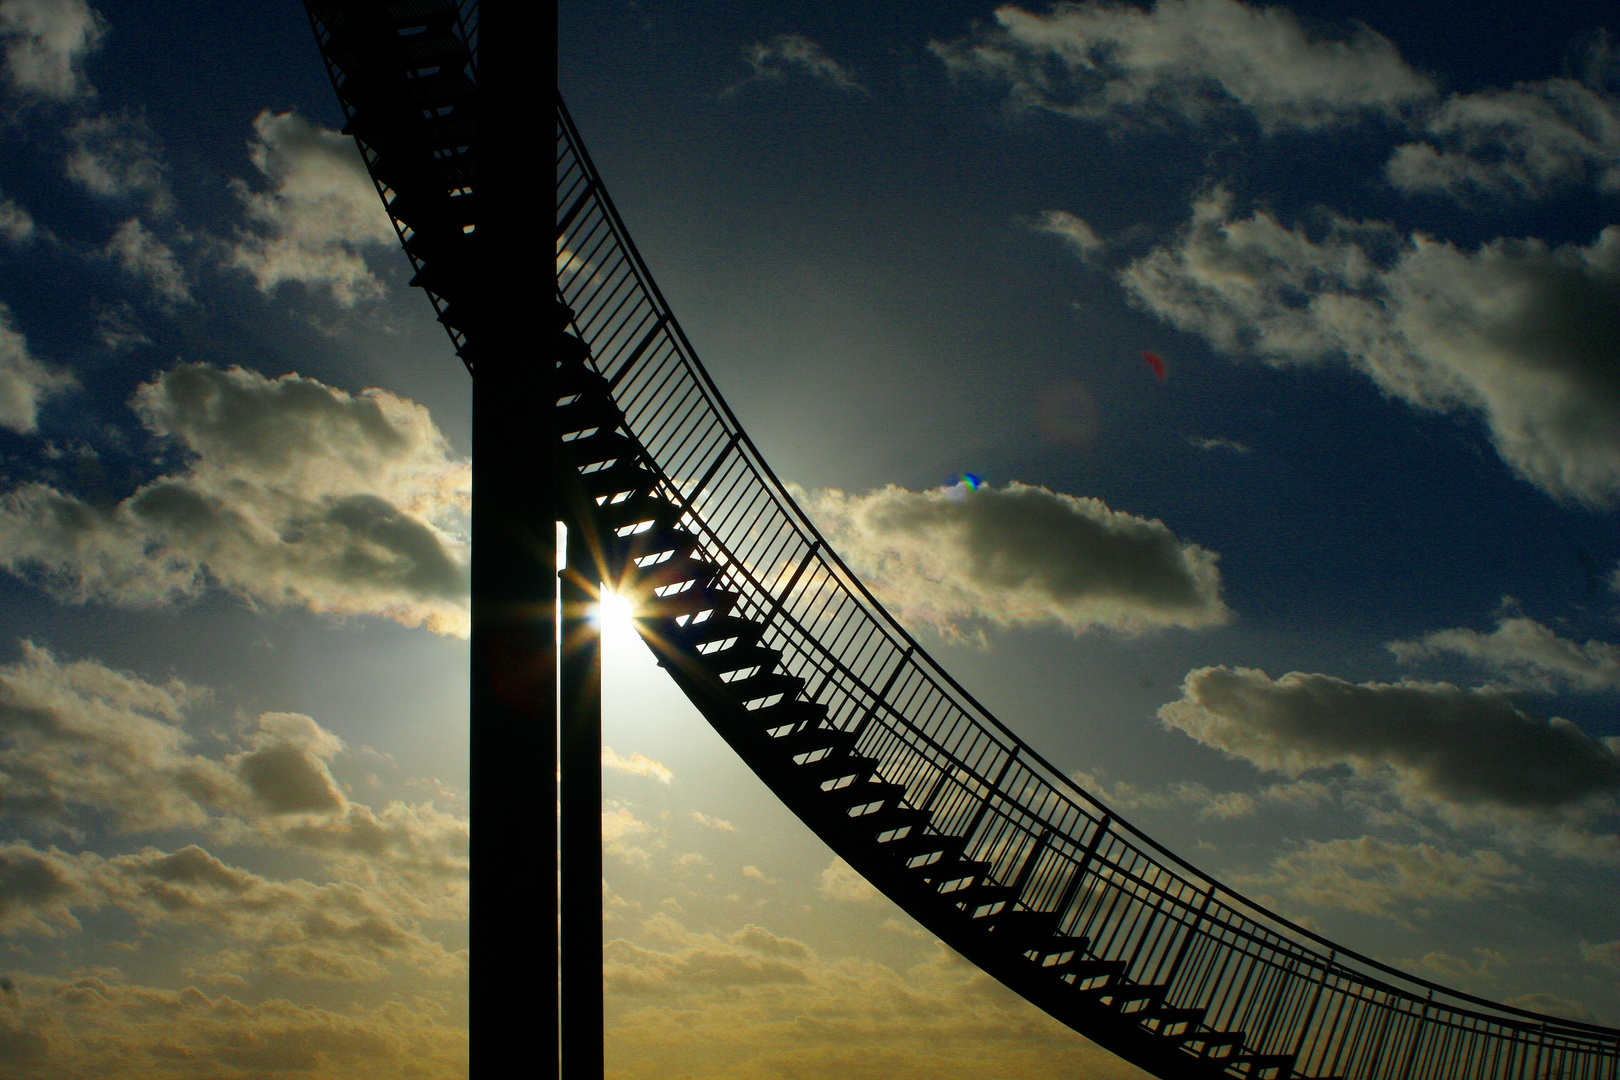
[{"x": 839, "y": 710}]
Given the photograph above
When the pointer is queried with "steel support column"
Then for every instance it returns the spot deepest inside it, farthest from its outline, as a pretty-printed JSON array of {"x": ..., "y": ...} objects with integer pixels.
[{"x": 514, "y": 563}]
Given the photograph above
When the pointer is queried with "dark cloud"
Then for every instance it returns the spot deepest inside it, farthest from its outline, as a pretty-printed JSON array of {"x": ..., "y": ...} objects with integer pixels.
[
  {"x": 1019, "y": 554},
  {"x": 77, "y": 736},
  {"x": 46, "y": 42},
  {"x": 295, "y": 494},
  {"x": 117, "y": 157},
  {"x": 774, "y": 59},
  {"x": 1525, "y": 654},
  {"x": 38, "y": 890},
  {"x": 1464, "y": 748},
  {"x": 1523, "y": 334},
  {"x": 95, "y": 1023},
  {"x": 80, "y": 742},
  {"x": 1529, "y": 142},
  {"x": 143, "y": 256},
  {"x": 1187, "y": 60},
  {"x": 1381, "y": 878},
  {"x": 318, "y": 214},
  {"x": 25, "y": 382}
]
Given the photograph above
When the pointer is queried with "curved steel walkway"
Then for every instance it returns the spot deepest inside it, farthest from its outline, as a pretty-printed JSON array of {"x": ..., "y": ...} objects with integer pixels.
[{"x": 839, "y": 710}]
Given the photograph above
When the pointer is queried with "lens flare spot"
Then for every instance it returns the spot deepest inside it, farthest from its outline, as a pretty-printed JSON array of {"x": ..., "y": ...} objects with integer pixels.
[{"x": 958, "y": 488}]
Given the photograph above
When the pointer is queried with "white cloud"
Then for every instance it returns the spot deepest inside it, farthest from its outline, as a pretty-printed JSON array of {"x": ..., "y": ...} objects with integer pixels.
[
  {"x": 1377, "y": 877},
  {"x": 1527, "y": 141},
  {"x": 1553, "y": 1005},
  {"x": 83, "y": 744},
  {"x": 337, "y": 931},
  {"x": 754, "y": 1004},
  {"x": 1208, "y": 444},
  {"x": 144, "y": 256},
  {"x": 1526, "y": 654},
  {"x": 296, "y": 494},
  {"x": 16, "y": 223},
  {"x": 99, "y": 1023},
  {"x": 754, "y": 873},
  {"x": 286, "y": 765},
  {"x": 843, "y": 883},
  {"x": 774, "y": 59},
  {"x": 1076, "y": 234},
  {"x": 1124, "y": 795},
  {"x": 636, "y": 765},
  {"x": 719, "y": 824},
  {"x": 320, "y": 211},
  {"x": 1462, "y": 749},
  {"x": 116, "y": 157},
  {"x": 1018, "y": 555},
  {"x": 1607, "y": 953},
  {"x": 24, "y": 381},
  {"x": 621, "y": 833},
  {"x": 1456, "y": 969},
  {"x": 40, "y": 889},
  {"x": 79, "y": 737},
  {"x": 1186, "y": 59},
  {"x": 1522, "y": 334},
  {"x": 46, "y": 42}
]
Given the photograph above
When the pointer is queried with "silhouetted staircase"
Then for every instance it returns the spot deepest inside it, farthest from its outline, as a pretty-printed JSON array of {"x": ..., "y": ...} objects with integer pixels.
[
  {"x": 837, "y": 709},
  {"x": 725, "y": 663}
]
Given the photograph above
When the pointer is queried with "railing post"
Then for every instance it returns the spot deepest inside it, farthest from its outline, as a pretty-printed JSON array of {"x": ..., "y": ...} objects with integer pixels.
[
  {"x": 1079, "y": 874},
  {"x": 1034, "y": 856},
  {"x": 883, "y": 695},
  {"x": 991, "y": 791},
  {"x": 1192, "y": 930},
  {"x": 1417, "y": 1037},
  {"x": 1310, "y": 1014}
]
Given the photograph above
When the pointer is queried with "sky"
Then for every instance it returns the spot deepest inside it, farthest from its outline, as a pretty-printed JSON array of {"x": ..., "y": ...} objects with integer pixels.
[{"x": 1281, "y": 342}]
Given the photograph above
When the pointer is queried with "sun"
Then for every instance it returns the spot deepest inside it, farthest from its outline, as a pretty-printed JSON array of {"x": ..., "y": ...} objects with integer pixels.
[{"x": 616, "y": 618}]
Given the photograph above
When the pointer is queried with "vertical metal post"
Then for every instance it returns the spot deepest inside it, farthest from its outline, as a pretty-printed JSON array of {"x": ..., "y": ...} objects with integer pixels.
[
  {"x": 513, "y": 696},
  {"x": 581, "y": 809}
]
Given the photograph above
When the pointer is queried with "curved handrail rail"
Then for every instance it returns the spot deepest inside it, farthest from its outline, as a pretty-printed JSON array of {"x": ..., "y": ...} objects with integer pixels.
[{"x": 955, "y": 758}]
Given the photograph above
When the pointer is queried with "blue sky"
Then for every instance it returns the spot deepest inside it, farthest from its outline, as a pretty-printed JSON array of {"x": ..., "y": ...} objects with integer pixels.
[{"x": 1329, "y": 608}]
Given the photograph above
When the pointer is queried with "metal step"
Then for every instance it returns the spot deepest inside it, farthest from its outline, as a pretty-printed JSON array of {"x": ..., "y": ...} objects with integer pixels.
[
  {"x": 629, "y": 515},
  {"x": 715, "y": 632},
  {"x": 764, "y": 685},
  {"x": 1136, "y": 999},
  {"x": 1265, "y": 1066},
  {"x": 673, "y": 572},
  {"x": 650, "y": 545},
  {"x": 917, "y": 845},
  {"x": 1215, "y": 1045},
  {"x": 943, "y": 871},
  {"x": 873, "y": 793},
  {"x": 837, "y": 770},
  {"x": 727, "y": 663},
  {"x": 1088, "y": 976},
  {"x": 601, "y": 446},
  {"x": 691, "y": 604},
  {"x": 894, "y": 819},
  {"x": 787, "y": 714},
  {"x": 587, "y": 411},
  {"x": 1172, "y": 1022},
  {"x": 982, "y": 899}
]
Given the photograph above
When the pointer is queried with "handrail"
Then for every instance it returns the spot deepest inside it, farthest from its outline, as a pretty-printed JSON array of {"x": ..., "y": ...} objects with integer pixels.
[{"x": 932, "y": 735}]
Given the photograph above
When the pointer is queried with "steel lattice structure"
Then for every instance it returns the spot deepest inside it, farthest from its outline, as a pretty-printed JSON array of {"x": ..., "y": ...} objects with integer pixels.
[{"x": 840, "y": 711}]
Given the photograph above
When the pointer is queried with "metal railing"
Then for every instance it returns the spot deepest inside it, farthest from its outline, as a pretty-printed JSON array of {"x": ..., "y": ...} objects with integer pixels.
[{"x": 1291, "y": 992}]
